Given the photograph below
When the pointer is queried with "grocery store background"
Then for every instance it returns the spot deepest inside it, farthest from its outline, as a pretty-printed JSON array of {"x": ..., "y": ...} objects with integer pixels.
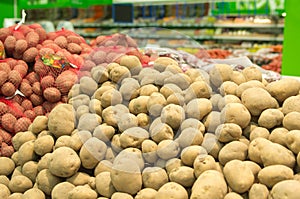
[{"x": 264, "y": 30}]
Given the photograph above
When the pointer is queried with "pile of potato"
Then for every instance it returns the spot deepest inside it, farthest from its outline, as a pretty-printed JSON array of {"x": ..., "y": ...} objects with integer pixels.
[{"x": 158, "y": 133}]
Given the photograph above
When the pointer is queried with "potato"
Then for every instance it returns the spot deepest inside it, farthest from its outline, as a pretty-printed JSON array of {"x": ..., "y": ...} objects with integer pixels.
[
  {"x": 129, "y": 89},
  {"x": 7, "y": 166},
  {"x": 146, "y": 71},
  {"x": 258, "y": 191},
  {"x": 265, "y": 152},
  {"x": 139, "y": 105},
  {"x": 43, "y": 145},
  {"x": 180, "y": 79},
  {"x": 99, "y": 74},
  {"x": 226, "y": 100},
  {"x": 238, "y": 183},
  {"x": 99, "y": 92},
  {"x": 228, "y": 88},
  {"x": 198, "y": 89},
  {"x": 167, "y": 149},
  {"x": 169, "y": 89},
  {"x": 212, "y": 121},
  {"x": 154, "y": 177},
  {"x": 149, "y": 148},
  {"x": 189, "y": 154},
  {"x": 111, "y": 97},
  {"x": 204, "y": 163},
  {"x": 26, "y": 152},
  {"x": 104, "y": 132},
  {"x": 146, "y": 193},
  {"x": 92, "y": 151},
  {"x": 257, "y": 100},
  {"x": 220, "y": 73},
  {"x": 147, "y": 90},
  {"x": 120, "y": 195},
  {"x": 64, "y": 141},
  {"x": 103, "y": 166},
  {"x": 252, "y": 73},
  {"x": 111, "y": 66},
  {"x": 33, "y": 193},
  {"x": 255, "y": 168},
  {"x": 22, "y": 137},
  {"x": 61, "y": 190},
  {"x": 131, "y": 153},
  {"x": 20, "y": 184},
  {"x": 235, "y": 113},
  {"x": 171, "y": 190},
  {"x": 110, "y": 154},
  {"x": 127, "y": 120},
  {"x": 111, "y": 114},
  {"x": 293, "y": 141},
  {"x": 176, "y": 98},
  {"x": 190, "y": 136},
  {"x": 143, "y": 120},
  {"x": 211, "y": 144},
  {"x": 95, "y": 106},
  {"x": 197, "y": 74},
  {"x": 78, "y": 100},
  {"x": 291, "y": 104},
  {"x": 278, "y": 135},
  {"x": 228, "y": 132},
  {"x": 15, "y": 196},
  {"x": 132, "y": 63},
  {"x": 4, "y": 191},
  {"x": 118, "y": 73},
  {"x": 198, "y": 108},
  {"x": 80, "y": 192},
  {"x": 183, "y": 175},
  {"x": 273, "y": 174},
  {"x": 39, "y": 124},
  {"x": 152, "y": 78},
  {"x": 66, "y": 122},
  {"x": 192, "y": 123},
  {"x": 133, "y": 137},
  {"x": 172, "y": 115},
  {"x": 155, "y": 103},
  {"x": 259, "y": 132},
  {"x": 249, "y": 128},
  {"x": 160, "y": 132},
  {"x": 43, "y": 162},
  {"x": 79, "y": 178},
  {"x": 64, "y": 162},
  {"x": 126, "y": 176},
  {"x": 234, "y": 150},
  {"x": 275, "y": 88},
  {"x": 172, "y": 164},
  {"x": 237, "y": 77},
  {"x": 291, "y": 121},
  {"x": 173, "y": 68},
  {"x": 249, "y": 84},
  {"x": 115, "y": 143},
  {"x": 104, "y": 185},
  {"x": 270, "y": 118},
  {"x": 81, "y": 110},
  {"x": 30, "y": 170},
  {"x": 233, "y": 195},
  {"x": 215, "y": 98},
  {"x": 4, "y": 180},
  {"x": 17, "y": 172},
  {"x": 161, "y": 63},
  {"x": 88, "y": 85},
  {"x": 286, "y": 189},
  {"x": 210, "y": 184}
]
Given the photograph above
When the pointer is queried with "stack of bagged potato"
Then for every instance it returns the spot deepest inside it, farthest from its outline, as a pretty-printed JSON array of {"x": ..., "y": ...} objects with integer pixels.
[{"x": 159, "y": 133}]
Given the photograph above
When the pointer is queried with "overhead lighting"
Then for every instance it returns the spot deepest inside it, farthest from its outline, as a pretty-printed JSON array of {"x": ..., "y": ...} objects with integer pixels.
[{"x": 283, "y": 14}]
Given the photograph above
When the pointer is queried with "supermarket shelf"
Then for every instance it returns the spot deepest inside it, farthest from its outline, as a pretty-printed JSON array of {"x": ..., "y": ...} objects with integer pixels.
[
  {"x": 197, "y": 37},
  {"x": 187, "y": 25}
]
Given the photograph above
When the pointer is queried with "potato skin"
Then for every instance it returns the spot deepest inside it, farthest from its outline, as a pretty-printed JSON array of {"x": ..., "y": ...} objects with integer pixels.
[
  {"x": 258, "y": 191},
  {"x": 273, "y": 174},
  {"x": 286, "y": 189},
  {"x": 172, "y": 190},
  {"x": 210, "y": 184}
]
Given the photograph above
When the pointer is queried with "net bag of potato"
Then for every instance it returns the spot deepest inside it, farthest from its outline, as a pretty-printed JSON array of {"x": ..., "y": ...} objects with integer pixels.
[
  {"x": 21, "y": 42},
  {"x": 113, "y": 46}
]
